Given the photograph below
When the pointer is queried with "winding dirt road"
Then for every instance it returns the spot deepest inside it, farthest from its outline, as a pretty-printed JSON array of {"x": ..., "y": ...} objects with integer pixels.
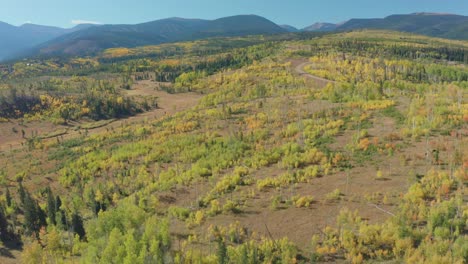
[
  {"x": 10, "y": 136},
  {"x": 322, "y": 82}
]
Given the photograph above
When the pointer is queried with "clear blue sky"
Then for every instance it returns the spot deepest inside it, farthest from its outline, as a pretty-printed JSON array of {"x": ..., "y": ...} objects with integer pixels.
[{"x": 299, "y": 13}]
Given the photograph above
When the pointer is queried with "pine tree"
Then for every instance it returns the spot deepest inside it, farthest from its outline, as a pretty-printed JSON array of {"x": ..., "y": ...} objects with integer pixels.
[
  {"x": 30, "y": 215},
  {"x": 41, "y": 217},
  {"x": 60, "y": 215},
  {"x": 51, "y": 207},
  {"x": 77, "y": 225},
  {"x": 34, "y": 216},
  {"x": 8, "y": 197},
  {"x": 58, "y": 203},
  {"x": 4, "y": 235},
  {"x": 222, "y": 251},
  {"x": 22, "y": 193}
]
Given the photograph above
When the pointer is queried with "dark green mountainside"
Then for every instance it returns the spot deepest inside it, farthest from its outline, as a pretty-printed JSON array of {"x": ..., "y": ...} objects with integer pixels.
[
  {"x": 93, "y": 40},
  {"x": 16, "y": 39},
  {"x": 430, "y": 24},
  {"x": 35, "y": 40}
]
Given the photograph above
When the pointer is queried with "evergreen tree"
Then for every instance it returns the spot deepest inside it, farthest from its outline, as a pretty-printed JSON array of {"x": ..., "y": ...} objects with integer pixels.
[
  {"x": 58, "y": 203},
  {"x": 41, "y": 217},
  {"x": 22, "y": 193},
  {"x": 77, "y": 225},
  {"x": 51, "y": 207},
  {"x": 34, "y": 216},
  {"x": 4, "y": 235},
  {"x": 60, "y": 215},
  {"x": 222, "y": 251},
  {"x": 30, "y": 215},
  {"x": 8, "y": 197}
]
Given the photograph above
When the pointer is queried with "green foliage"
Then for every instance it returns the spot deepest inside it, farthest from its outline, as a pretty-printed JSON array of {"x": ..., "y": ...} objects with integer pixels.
[
  {"x": 145, "y": 238},
  {"x": 51, "y": 206},
  {"x": 442, "y": 223},
  {"x": 65, "y": 100},
  {"x": 303, "y": 201},
  {"x": 395, "y": 114},
  {"x": 222, "y": 252},
  {"x": 178, "y": 212},
  {"x": 334, "y": 195},
  {"x": 259, "y": 126},
  {"x": 34, "y": 216}
]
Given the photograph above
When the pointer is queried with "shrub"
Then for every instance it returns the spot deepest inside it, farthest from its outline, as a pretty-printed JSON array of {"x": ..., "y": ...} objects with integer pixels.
[
  {"x": 303, "y": 201},
  {"x": 231, "y": 207},
  {"x": 180, "y": 213},
  {"x": 334, "y": 195}
]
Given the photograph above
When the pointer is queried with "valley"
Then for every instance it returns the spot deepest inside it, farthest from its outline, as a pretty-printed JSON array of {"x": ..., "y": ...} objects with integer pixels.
[{"x": 345, "y": 147}]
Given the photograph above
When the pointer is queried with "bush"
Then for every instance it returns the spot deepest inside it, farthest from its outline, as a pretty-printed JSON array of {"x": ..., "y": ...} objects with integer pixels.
[
  {"x": 303, "y": 201},
  {"x": 334, "y": 195},
  {"x": 180, "y": 213}
]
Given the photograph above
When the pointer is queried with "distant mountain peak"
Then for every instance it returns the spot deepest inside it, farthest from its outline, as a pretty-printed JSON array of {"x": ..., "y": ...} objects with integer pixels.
[
  {"x": 83, "y": 26},
  {"x": 321, "y": 26},
  {"x": 88, "y": 41},
  {"x": 182, "y": 19},
  {"x": 432, "y": 14},
  {"x": 5, "y": 24},
  {"x": 40, "y": 27},
  {"x": 85, "y": 39}
]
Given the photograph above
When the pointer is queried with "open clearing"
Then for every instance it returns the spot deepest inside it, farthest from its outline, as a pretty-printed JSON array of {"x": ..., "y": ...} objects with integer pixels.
[{"x": 168, "y": 104}]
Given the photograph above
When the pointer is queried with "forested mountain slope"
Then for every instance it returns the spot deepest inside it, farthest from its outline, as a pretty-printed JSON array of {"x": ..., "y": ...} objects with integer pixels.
[{"x": 340, "y": 147}]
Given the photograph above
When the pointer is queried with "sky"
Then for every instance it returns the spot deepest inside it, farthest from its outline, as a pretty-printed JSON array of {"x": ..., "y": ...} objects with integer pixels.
[{"x": 298, "y": 13}]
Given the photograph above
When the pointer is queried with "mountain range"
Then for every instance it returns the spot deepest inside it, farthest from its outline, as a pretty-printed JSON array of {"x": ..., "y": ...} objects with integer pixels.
[
  {"x": 98, "y": 38},
  {"x": 321, "y": 27},
  {"x": 431, "y": 24},
  {"x": 17, "y": 39},
  {"x": 35, "y": 40}
]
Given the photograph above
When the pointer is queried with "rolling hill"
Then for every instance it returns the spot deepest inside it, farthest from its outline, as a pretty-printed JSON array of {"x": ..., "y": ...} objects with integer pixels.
[
  {"x": 16, "y": 39},
  {"x": 96, "y": 39},
  {"x": 34, "y": 40},
  {"x": 92, "y": 40},
  {"x": 289, "y": 28},
  {"x": 430, "y": 24},
  {"x": 339, "y": 148}
]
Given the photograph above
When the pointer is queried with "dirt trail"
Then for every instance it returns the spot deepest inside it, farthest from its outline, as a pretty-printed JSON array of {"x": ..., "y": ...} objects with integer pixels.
[
  {"x": 168, "y": 104},
  {"x": 299, "y": 68}
]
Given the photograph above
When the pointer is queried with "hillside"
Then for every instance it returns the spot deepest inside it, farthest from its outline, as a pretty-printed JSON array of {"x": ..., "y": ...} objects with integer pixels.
[
  {"x": 93, "y": 40},
  {"x": 430, "y": 24},
  {"x": 289, "y": 28},
  {"x": 17, "y": 39},
  {"x": 347, "y": 147},
  {"x": 35, "y": 40}
]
